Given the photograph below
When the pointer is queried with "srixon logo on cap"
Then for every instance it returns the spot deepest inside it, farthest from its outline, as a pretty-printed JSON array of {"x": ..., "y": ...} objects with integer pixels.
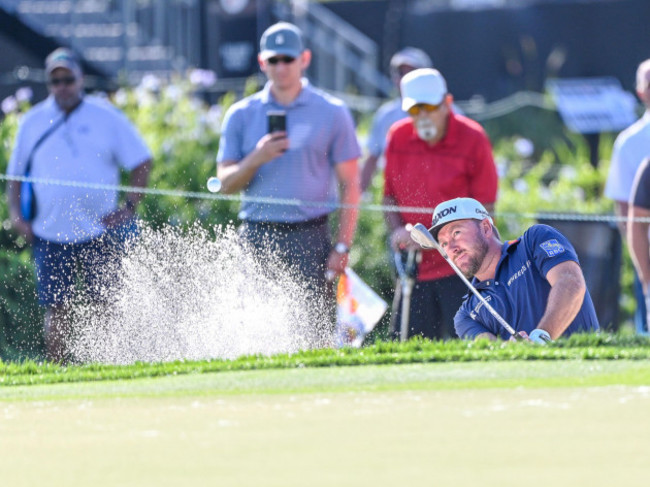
[{"x": 443, "y": 213}]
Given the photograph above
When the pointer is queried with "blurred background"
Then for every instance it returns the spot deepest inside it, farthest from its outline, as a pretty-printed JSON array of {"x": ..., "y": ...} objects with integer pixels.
[
  {"x": 551, "y": 81},
  {"x": 487, "y": 49}
]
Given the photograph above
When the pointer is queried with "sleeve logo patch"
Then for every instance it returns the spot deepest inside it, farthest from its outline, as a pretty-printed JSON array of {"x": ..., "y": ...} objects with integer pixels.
[{"x": 552, "y": 247}]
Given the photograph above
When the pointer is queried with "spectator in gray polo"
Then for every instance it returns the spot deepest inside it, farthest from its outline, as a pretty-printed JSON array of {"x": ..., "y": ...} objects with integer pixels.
[
  {"x": 402, "y": 62},
  {"x": 313, "y": 160}
]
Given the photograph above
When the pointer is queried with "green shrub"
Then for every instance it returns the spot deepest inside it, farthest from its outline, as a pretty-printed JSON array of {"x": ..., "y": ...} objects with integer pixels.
[{"x": 183, "y": 134}]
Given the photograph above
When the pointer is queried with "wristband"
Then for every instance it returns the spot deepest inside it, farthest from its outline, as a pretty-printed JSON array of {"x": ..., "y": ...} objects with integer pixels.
[{"x": 540, "y": 336}]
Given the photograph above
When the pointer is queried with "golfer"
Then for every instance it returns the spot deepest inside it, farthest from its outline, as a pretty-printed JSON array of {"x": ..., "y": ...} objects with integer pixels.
[{"x": 534, "y": 282}]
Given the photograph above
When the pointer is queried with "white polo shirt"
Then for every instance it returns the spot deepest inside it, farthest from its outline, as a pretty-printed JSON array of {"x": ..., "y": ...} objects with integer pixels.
[
  {"x": 91, "y": 146},
  {"x": 630, "y": 148}
]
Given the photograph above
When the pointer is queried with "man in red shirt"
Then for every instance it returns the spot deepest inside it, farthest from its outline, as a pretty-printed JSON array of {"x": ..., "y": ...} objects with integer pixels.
[{"x": 433, "y": 156}]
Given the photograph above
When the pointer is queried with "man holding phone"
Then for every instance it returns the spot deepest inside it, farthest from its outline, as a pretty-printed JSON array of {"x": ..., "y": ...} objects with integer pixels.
[{"x": 291, "y": 141}]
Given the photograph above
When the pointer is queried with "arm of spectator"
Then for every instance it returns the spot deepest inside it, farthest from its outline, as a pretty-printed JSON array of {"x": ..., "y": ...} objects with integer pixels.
[
  {"x": 622, "y": 208},
  {"x": 235, "y": 175},
  {"x": 368, "y": 170},
  {"x": 567, "y": 293},
  {"x": 22, "y": 227},
  {"x": 347, "y": 174},
  {"x": 138, "y": 178},
  {"x": 639, "y": 245}
]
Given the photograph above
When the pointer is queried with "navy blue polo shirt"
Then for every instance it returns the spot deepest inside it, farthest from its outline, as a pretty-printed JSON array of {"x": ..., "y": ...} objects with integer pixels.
[{"x": 519, "y": 292}]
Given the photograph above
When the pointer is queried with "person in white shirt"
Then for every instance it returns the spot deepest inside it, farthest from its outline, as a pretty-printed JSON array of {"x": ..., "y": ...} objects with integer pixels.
[
  {"x": 631, "y": 147},
  {"x": 75, "y": 228}
]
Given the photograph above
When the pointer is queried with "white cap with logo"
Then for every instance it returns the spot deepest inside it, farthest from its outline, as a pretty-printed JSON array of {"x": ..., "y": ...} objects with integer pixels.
[
  {"x": 457, "y": 209},
  {"x": 422, "y": 86}
]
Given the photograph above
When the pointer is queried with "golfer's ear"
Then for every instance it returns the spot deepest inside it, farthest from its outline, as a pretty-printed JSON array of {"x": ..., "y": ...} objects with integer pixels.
[{"x": 486, "y": 227}]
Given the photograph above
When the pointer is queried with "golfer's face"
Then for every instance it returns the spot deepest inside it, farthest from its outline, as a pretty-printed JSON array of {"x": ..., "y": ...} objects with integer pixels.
[{"x": 465, "y": 245}]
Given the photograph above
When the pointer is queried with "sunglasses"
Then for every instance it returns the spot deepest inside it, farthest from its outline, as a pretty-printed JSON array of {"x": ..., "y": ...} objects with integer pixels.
[
  {"x": 65, "y": 80},
  {"x": 280, "y": 59},
  {"x": 423, "y": 108}
]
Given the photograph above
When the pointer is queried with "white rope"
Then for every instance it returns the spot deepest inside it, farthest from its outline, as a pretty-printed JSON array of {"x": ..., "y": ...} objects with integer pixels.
[{"x": 295, "y": 202}]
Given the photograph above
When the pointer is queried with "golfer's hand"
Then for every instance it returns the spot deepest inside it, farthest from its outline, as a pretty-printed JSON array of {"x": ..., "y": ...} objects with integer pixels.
[
  {"x": 521, "y": 336},
  {"x": 271, "y": 146},
  {"x": 401, "y": 239}
]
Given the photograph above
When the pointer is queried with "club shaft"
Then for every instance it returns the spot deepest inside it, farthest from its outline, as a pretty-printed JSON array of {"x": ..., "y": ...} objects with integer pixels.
[{"x": 487, "y": 305}]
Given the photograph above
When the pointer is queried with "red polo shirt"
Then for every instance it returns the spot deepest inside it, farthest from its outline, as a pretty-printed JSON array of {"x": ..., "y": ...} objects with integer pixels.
[{"x": 422, "y": 176}]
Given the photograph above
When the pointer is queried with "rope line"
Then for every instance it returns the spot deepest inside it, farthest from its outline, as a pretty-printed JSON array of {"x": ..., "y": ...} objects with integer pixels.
[{"x": 296, "y": 202}]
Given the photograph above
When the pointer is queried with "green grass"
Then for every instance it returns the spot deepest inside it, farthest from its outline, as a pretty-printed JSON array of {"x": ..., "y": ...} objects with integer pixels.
[
  {"x": 371, "y": 378},
  {"x": 418, "y": 413},
  {"x": 487, "y": 423},
  {"x": 579, "y": 347}
]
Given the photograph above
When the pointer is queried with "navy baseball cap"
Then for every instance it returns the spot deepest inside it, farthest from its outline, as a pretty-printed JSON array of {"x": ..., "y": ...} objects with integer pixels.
[
  {"x": 283, "y": 39},
  {"x": 457, "y": 209},
  {"x": 62, "y": 58}
]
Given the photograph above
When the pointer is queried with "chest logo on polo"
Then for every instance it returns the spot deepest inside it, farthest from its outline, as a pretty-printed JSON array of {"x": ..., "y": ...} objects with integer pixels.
[
  {"x": 519, "y": 273},
  {"x": 552, "y": 247}
]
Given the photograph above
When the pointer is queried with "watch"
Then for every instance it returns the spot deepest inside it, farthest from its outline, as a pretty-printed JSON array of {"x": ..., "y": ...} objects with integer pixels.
[{"x": 341, "y": 248}]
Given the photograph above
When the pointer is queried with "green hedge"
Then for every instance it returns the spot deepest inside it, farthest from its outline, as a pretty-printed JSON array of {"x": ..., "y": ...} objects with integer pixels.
[{"x": 183, "y": 133}]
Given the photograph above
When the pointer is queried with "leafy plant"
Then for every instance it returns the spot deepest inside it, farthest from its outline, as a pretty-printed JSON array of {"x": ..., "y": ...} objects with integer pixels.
[{"x": 543, "y": 168}]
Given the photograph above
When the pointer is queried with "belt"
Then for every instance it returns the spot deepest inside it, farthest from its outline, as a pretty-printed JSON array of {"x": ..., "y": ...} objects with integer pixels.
[{"x": 316, "y": 222}]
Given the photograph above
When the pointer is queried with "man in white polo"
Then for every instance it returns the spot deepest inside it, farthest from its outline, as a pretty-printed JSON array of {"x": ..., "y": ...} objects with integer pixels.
[{"x": 84, "y": 140}]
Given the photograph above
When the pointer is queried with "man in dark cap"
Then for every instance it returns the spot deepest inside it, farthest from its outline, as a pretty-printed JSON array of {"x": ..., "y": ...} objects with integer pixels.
[
  {"x": 84, "y": 140},
  {"x": 304, "y": 161}
]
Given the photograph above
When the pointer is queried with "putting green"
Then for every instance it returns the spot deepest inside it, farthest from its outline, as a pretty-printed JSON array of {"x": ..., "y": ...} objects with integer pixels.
[{"x": 474, "y": 424}]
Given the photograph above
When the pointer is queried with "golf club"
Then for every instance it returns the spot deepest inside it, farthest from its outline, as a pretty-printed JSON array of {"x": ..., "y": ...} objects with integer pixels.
[
  {"x": 421, "y": 235},
  {"x": 406, "y": 276}
]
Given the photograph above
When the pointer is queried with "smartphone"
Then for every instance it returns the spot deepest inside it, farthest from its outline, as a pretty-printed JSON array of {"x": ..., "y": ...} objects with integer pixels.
[{"x": 277, "y": 121}]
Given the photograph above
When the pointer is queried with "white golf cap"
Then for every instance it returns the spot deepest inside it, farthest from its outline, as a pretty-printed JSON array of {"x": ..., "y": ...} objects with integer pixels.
[
  {"x": 422, "y": 86},
  {"x": 457, "y": 209}
]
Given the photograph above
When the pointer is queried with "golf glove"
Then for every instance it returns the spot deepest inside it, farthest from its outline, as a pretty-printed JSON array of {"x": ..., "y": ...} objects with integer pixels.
[{"x": 539, "y": 336}]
